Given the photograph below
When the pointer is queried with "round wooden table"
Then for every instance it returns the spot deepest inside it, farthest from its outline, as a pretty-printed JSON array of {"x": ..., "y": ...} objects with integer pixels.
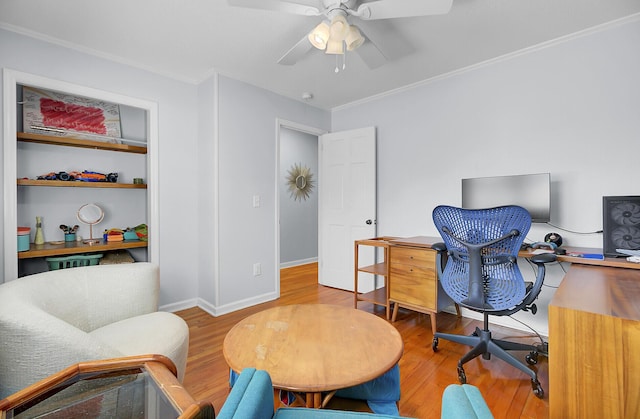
[{"x": 314, "y": 348}]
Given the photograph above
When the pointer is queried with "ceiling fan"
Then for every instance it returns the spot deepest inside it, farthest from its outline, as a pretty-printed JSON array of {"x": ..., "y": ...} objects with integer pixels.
[{"x": 336, "y": 33}]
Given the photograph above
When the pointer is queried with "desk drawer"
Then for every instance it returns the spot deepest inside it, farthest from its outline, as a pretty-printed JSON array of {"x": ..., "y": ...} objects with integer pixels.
[
  {"x": 413, "y": 256},
  {"x": 413, "y": 285}
]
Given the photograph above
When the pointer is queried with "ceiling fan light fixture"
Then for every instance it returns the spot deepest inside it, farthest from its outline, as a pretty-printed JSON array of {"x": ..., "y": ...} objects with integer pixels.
[
  {"x": 354, "y": 38},
  {"x": 335, "y": 47},
  {"x": 339, "y": 28},
  {"x": 319, "y": 36}
]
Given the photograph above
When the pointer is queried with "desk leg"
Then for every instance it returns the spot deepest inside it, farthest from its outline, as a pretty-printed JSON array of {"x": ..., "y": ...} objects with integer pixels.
[
  {"x": 396, "y": 306},
  {"x": 433, "y": 323}
]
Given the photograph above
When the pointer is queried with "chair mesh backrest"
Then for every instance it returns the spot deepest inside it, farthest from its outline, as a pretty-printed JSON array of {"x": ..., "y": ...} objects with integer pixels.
[{"x": 463, "y": 230}]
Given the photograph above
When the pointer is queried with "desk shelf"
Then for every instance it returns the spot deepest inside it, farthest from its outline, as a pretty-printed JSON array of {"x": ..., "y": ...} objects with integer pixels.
[
  {"x": 379, "y": 296},
  {"x": 79, "y": 184},
  {"x": 74, "y": 248}
]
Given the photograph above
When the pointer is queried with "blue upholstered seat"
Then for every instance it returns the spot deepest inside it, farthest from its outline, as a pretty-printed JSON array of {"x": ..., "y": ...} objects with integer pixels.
[
  {"x": 252, "y": 397},
  {"x": 381, "y": 394},
  {"x": 464, "y": 402}
]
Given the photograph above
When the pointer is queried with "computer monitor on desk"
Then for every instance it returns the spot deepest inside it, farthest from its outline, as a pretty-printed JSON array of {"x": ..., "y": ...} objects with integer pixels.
[{"x": 532, "y": 192}]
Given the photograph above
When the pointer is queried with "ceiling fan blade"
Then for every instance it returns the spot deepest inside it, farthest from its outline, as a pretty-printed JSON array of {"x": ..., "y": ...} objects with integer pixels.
[
  {"x": 371, "y": 55},
  {"x": 388, "y": 9},
  {"x": 386, "y": 40},
  {"x": 296, "y": 52},
  {"x": 278, "y": 6}
]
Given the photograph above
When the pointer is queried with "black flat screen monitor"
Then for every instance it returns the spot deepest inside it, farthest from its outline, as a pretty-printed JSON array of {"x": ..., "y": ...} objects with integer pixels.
[{"x": 532, "y": 192}]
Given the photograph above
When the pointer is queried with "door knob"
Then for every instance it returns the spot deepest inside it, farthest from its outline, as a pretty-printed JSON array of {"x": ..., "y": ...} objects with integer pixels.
[{"x": 369, "y": 222}]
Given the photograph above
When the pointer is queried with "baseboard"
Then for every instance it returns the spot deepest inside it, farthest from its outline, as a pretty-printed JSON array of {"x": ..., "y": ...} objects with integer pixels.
[
  {"x": 298, "y": 262},
  {"x": 216, "y": 311},
  {"x": 180, "y": 305}
]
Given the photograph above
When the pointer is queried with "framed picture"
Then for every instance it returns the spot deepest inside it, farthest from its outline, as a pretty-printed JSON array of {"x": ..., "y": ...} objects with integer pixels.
[{"x": 54, "y": 113}]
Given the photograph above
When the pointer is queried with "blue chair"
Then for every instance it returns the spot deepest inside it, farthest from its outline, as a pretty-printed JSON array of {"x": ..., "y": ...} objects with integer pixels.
[
  {"x": 382, "y": 394},
  {"x": 482, "y": 274},
  {"x": 464, "y": 402}
]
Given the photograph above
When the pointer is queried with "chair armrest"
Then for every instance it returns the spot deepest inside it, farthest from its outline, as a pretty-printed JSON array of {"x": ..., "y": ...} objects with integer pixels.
[
  {"x": 251, "y": 396},
  {"x": 441, "y": 258},
  {"x": 464, "y": 401},
  {"x": 36, "y": 344},
  {"x": 540, "y": 260},
  {"x": 543, "y": 258},
  {"x": 439, "y": 247}
]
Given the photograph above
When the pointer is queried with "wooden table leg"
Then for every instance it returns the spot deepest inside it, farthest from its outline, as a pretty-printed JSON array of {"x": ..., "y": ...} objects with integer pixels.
[
  {"x": 314, "y": 400},
  {"x": 433, "y": 323},
  {"x": 396, "y": 306}
]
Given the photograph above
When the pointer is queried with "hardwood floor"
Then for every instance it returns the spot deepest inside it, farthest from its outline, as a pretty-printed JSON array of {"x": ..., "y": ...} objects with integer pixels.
[{"x": 424, "y": 374}]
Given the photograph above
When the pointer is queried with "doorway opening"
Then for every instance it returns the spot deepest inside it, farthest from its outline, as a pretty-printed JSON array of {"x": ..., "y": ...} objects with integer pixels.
[{"x": 297, "y": 194}]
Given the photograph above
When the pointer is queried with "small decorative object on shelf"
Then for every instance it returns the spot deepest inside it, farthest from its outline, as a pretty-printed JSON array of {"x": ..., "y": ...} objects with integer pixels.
[
  {"x": 39, "y": 239},
  {"x": 23, "y": 238},
  {"x": 84, "y": 176}
]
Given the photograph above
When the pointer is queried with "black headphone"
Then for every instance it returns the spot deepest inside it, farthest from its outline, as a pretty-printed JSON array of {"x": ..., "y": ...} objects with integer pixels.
[{"x": 554, "y": 238}]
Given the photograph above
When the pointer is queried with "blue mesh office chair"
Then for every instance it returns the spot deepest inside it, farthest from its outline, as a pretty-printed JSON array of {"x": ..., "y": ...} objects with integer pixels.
[{"x": 482, "y": 274}]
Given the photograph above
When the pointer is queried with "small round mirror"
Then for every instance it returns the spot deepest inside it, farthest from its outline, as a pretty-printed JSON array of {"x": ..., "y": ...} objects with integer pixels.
[
  {"x": 301, "y": 182},
  {"x": 90, "y": 214}
]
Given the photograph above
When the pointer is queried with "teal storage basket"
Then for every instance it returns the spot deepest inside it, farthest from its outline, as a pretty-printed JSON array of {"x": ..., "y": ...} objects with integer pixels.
[{"x": 74, "y": 261}]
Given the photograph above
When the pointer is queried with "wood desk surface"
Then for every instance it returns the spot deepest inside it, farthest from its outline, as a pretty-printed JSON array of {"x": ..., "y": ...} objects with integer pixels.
[
  {"x": 619, "y": 262},
  {"x": 417, "y": 241},
  {"x": 312, "y": 348},
  {"x": 600, "y": 290}
]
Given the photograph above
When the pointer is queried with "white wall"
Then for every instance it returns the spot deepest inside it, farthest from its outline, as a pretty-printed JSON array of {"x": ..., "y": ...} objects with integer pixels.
[
  {"x": 247, "y": 156},
  {"x": 571, "y": 108}
]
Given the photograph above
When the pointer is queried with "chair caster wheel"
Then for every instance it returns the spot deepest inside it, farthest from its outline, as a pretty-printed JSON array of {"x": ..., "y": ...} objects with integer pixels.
[
  {"x": 462, "y": 377},
  {"x": 537, "y": 389},
  {"x": 434, "y": 344},
  {"x": 532, "y": 358}
]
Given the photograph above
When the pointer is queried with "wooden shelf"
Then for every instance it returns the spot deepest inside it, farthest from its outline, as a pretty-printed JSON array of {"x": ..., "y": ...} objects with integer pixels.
[
  {"x": 75, "y": 142},
  {"x": 377, "y": 269},
  {"x": 377, "y": 296},
  {"x": 79, "y": 184},
  {"x": 73, "y": 248}
]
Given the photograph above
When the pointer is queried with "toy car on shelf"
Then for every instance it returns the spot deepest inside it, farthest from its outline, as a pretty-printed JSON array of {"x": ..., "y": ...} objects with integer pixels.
[{"x": 84, "y": 176}]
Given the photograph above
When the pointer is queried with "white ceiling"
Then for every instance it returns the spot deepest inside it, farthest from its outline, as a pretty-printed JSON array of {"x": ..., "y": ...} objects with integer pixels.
[{"x": 191, "y": 39}]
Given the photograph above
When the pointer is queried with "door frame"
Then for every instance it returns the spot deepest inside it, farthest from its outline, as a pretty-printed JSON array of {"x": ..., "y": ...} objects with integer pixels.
[{"x": 307, "y": 129}]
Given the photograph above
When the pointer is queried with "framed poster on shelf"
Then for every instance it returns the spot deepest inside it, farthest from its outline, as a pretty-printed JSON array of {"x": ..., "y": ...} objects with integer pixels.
[{"x": 53, "y": 113}]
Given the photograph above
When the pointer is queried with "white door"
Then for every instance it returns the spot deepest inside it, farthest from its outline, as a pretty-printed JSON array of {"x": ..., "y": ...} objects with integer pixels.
[{"x": 346, "y": 201}]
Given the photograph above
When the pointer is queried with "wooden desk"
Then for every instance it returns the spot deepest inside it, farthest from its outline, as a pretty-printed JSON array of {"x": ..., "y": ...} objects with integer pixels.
[
  {"x": 594, "y": 337},
  {"x": 620, "y": 262},
  {"x": 413, "y": 277},
  {"x": 314, "y": 348}
]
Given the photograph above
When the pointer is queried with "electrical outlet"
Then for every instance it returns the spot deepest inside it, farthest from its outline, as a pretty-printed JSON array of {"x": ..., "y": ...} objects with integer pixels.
[
  {"x": 257, "y": 269},
  {"x": 256, "y": 201}
]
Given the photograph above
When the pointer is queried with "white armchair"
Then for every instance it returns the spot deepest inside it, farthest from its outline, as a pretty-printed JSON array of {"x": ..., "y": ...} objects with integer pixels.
[{"x": 54, "y": 319}]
